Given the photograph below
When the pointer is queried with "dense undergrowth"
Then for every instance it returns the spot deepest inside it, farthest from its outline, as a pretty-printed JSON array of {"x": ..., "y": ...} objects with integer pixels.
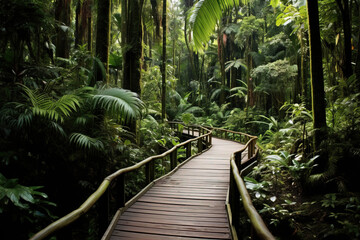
[{"x": 64, "y": 131}]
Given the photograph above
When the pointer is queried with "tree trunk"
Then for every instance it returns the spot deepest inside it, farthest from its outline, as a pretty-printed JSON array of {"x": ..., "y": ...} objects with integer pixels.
[
  {"x": 83, "y": 23},
  {"x": 222, "y": 67},
  {"x": 155, "y": 14},
  {"x": 132, "y": 50},
  {"x": 316, "y": 70},
  {"x": 103, "y": 38},
  {"x": 163, "y": 66},
  {"x": 62, "y": 15},
  {"x": 357, "y": 68},
  {"x": 188, "y": 5},
  {"x": 345, "y": 14}
]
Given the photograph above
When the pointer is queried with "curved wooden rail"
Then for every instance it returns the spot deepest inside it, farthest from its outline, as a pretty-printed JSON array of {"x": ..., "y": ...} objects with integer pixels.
[{"x": 203, "y": 138}]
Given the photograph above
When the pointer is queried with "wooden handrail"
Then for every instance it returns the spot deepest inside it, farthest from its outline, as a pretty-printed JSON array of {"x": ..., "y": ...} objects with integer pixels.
[
  {"x": 93, "y": 198},
  {"x": 257, "y": 222}
]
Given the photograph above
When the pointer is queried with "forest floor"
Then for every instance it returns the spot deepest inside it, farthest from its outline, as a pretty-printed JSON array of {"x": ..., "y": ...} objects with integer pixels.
[{"x": 292, "y": 213}]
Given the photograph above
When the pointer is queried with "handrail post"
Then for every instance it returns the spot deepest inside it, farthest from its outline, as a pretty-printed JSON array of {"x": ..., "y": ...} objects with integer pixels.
[
  {"x": 188, "y": 150},
  {"x": 149, "y": 171},
  {"x": 238, "y": 160},
  {"x": 251, "y": 148},
  {"x": 104, "y": 211},
  {"x": 173, "y": 159},
  {"x": 234, "y": 200},
  {"x": 121, "y": 183},
  {"x": 200, "y": 145}
]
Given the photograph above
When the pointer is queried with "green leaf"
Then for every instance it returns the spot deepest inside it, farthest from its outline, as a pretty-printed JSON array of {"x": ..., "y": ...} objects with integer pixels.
[{"x": 204, "y": 15}]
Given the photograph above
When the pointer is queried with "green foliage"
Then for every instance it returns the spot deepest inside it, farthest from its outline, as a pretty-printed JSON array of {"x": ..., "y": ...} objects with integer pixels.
[
  {"x": 43, "y": 105},
  {"x": 297, "y": 168},
  {"x": 204, "y": 16},
  {"x": 86, "y": 142},
  {"x": 295, "y": 16},
  {"x": 276, "y": 48},
  {"x": 249, "y": 27},
  {"x": 182, "y": 107},
  {"x": 119, "y": 103},
  {"x": 19, "y": 195},
  {"x": 23, "y": 204}
]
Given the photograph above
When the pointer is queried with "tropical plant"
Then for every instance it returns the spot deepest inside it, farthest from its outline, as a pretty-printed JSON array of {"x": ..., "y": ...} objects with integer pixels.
[
  {"x": 23, "y": 204},
  {"x": 205, "y": 15}
]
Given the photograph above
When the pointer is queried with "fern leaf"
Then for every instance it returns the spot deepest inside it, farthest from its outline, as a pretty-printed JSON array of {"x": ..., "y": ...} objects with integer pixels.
[
  {"x": 120, "y": 103},
  {"x": 84, "y": 141}
]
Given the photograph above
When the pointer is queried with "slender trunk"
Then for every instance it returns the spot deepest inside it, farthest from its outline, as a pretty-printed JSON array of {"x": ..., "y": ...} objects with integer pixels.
[
  {"x": 191, "y": 55},
  {"x": 83, "y": 23},
  {"x": 163, "y": 66},
  {"x": 222, "y": 67},
  {"x": 303, "y": 79},
  {"x": 155, "y": 14},
  {"x": 103, "y": 38},
  {"x": 89, "y": 33},
  {"x": 62, "y": 14},
  {"x": 316, "y": 70},
  {"x": 174, "y": 62},
  {"x": 77, "y": 24},
  {"x": 345, "y": 14},
  {"x": 132, "y": 35},
  {"x": 357, "y": 68}
]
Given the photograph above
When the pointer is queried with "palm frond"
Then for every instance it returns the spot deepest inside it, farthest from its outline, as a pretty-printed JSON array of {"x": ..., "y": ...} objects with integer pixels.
[
  {"x": 204, "y": 15},
  {"x": 84, "y": 141},
  {"x": 194, "y": 110},
  {"x": 45, "y": 106},
  {"x": 120, "y": 103},
  {"x": 57, "y": 128},
  {"x": 236, "y": 64},
  {"x": 215, "y": 94}
]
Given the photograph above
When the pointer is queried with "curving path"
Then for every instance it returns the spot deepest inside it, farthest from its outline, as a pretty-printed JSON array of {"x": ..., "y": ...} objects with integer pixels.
[{"x": 189, "y": 204}]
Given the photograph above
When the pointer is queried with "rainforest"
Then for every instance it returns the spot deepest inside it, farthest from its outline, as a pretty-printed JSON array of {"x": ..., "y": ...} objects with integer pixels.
[{"x": 90, "y": 87}]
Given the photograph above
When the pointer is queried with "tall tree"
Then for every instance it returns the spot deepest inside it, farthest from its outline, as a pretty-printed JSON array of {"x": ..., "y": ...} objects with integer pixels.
[
  {"x": 83, "y": 23},
  {"x": 163, "y": 66},
  {"x": 316, "y": 71},
  {"x": 131, "y": 41},
  {"x": 103, "y": 38},
  {"x": 62, "y": 15},
  {"x": 345, "y": 15}
]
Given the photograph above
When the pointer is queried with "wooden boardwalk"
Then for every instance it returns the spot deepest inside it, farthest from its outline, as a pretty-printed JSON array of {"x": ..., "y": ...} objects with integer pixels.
[{"x": 190, "y": 204}]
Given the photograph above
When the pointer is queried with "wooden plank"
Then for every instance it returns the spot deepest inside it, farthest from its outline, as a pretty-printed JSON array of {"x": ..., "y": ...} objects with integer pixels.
[
  {"x": 173, "y": 227},
  {"x": 172, "y": 208},
  {"x": 173, "y": 232},
  {"x": 175, "y": 222},
  {"x": 201, "y": 214},
  {"x": 121, "y": 235},
  {"x": 155, "y": 217},
  {"x": 210, "y": 203},
  {"x": 181, "y": 196},
  {"x": 191, "y": 192}
]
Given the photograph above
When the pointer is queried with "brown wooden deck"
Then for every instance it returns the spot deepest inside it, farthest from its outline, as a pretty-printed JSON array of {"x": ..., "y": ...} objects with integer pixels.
[{"x": 190, "y": 204}]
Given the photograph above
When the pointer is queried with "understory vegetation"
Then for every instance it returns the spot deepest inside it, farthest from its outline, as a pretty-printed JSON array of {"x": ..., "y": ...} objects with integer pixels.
[{"x": 88, "y": 87}]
